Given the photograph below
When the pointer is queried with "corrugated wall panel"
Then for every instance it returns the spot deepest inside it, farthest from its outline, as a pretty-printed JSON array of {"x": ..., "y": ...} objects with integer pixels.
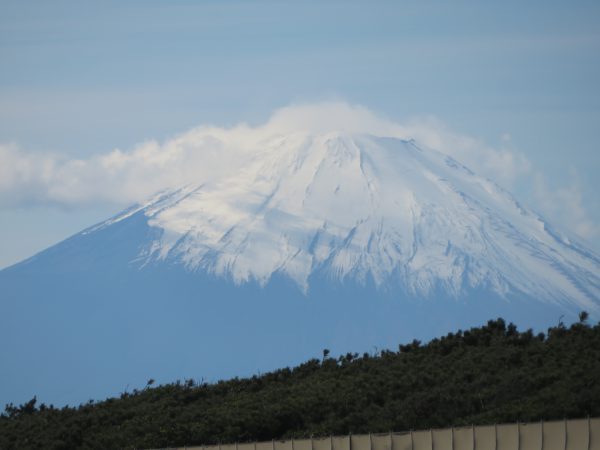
[
  {"x": 381, "y": 441},
  {"x": 485, "y": 438},
  {"x": 360, "y": 442},
  {"x": 507, "y": 437},
  {"x": 530, "y": 436},
  {"x": 422, "y": 440},
  {"x": 442, "y": 439},
  {"x": 400, "y": 441},
  {"x": 554, "y": 435},
  {"x": 577, "y": 434},
  {"x": 595, "y": 434},
  {"x": 341, "y": 443},
  {"x": 463, "y": 438},
  {"x": 302, "y": 444},
  {"x": 322, "y": 443}
]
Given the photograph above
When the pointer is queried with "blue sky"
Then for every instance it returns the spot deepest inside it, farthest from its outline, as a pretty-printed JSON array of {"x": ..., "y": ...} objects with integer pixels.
[{"x": 80, "y": 78}]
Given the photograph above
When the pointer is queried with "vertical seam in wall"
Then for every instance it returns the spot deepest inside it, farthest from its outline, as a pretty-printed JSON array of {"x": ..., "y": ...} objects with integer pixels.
[
  {"x": 589, "y": 433},
  {"x": 412, "y": 441},
  {"x": 542, "y": 438},
  {"x": 495, "y": 436},
  {"x": 452, "y": 439},
  {"x": 518, "y": 435},
  {"x": 566, "y": 434}
]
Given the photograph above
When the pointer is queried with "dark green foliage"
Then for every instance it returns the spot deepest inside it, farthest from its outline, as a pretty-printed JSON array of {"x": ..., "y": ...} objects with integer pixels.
[{"x": 484, "y": 375}]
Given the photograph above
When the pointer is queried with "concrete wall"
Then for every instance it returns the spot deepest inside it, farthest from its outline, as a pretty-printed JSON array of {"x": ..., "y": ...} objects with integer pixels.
[{"x": 579, "y": 434}]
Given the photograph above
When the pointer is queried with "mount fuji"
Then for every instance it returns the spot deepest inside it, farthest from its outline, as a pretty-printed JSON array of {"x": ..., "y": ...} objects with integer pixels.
[{"x": 338, "y": 240}]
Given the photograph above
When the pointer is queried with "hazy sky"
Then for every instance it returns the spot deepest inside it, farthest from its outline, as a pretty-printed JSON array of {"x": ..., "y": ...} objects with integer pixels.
[{"x": 517, "y": 81}]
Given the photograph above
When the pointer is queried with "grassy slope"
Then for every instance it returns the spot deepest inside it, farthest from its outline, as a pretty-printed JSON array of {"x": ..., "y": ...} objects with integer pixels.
[{"x": 489, "y": 374}]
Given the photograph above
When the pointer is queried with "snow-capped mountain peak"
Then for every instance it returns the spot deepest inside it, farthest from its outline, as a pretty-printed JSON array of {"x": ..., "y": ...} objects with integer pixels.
[
  {"x": 307, "y": 240},
  {"x": 365, "y": 208}
]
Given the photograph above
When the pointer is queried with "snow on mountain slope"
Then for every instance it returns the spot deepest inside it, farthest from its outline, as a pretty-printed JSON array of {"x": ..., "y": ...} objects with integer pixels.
[{"x": 364, "y": 208}]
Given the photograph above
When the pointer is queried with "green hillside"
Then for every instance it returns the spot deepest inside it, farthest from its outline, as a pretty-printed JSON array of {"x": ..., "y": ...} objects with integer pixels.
[{"x": 489, "y": 374}]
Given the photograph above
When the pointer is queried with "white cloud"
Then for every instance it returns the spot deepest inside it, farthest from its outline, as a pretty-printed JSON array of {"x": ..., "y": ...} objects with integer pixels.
[
  {"x": 565, "y": 205},
  {"x": 206, "y": 152},
  {"x": 503, "y": 165}
]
